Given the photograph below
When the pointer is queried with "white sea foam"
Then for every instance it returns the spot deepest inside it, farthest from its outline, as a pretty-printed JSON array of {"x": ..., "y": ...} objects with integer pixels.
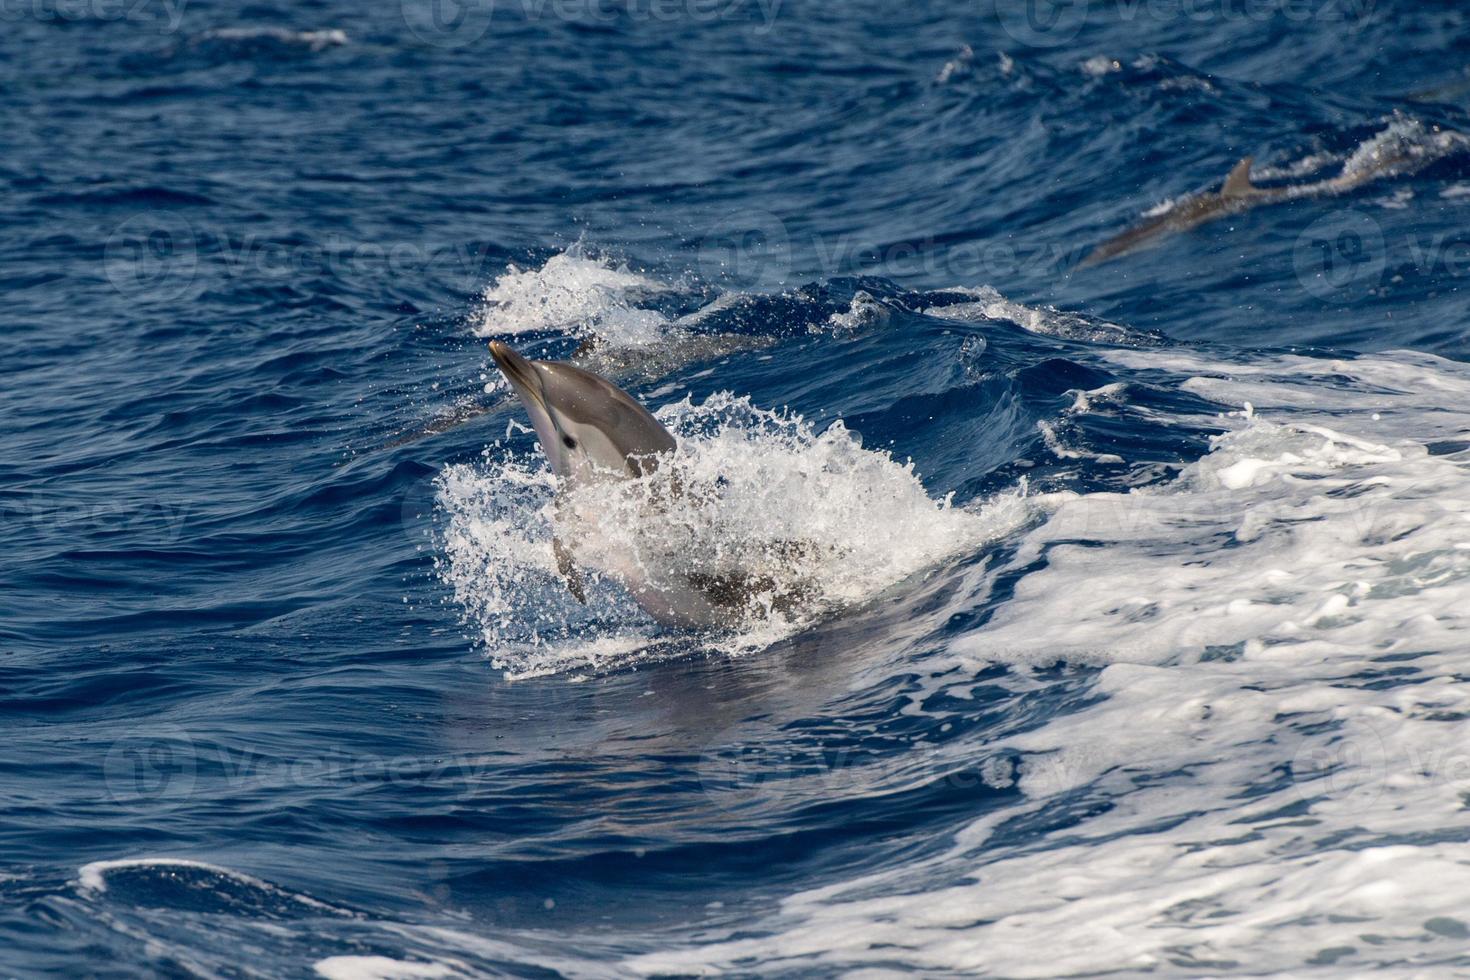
[
  {"x": 1186, "y": 83},
  {"x": 1054, "y": 442},
  {"x": 92, "y": 879},
  {"x": 1276, "y": 767},
  {"x": 1293, "y": 169},
  {"x": 823, "y": 522},
  {"x": 1404, "y": 145},
  {"x": 863, "y": 312},
  {"x": 960, "y": 64},
  {"x": 574, "y": 292},
  {"x": 312, "y": 40},
  {"x": 380, "y": 968},
  {"x": 988, "y": 304},
  {"x": 1397, "y": 201},
  {"x": 1100, "y": 64}
]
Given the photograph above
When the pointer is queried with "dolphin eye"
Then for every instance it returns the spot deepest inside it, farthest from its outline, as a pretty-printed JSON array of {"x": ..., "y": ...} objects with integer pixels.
[{"x": 569, "y": 442}]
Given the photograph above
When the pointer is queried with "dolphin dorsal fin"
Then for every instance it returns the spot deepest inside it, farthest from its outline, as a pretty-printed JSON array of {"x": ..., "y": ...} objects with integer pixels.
[{"x": 1238, "y": 181}]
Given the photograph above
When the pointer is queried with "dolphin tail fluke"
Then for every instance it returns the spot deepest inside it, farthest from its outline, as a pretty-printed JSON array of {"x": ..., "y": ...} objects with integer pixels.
[{"x": 1238, "y": 181}]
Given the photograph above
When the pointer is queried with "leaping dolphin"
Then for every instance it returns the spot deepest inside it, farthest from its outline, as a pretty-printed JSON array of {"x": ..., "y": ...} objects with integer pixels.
[
  {"x": 1236, "y": 194},
  {"x": 648, "y": 363},
  {"x": 591, "y": 430}
]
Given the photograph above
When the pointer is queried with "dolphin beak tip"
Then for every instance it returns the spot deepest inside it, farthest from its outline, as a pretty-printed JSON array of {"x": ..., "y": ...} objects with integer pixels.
[
  {"x": 519, "y": 371},
  {"x": 506, "y": 358}
]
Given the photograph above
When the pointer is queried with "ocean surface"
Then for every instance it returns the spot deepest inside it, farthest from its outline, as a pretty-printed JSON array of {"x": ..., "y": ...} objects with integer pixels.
[{"x": 1138, "y": 637}]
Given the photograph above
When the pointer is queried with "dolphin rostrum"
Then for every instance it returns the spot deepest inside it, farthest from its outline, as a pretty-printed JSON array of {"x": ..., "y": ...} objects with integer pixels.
[
  {"x": 1236, "y": 194},
  {"x": 591, "y": 430}
]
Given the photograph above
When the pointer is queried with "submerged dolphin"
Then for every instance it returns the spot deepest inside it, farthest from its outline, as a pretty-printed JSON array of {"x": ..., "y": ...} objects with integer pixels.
[
  {"x": 1236, "y": 194},
  {"x": 590, "y": 430}
]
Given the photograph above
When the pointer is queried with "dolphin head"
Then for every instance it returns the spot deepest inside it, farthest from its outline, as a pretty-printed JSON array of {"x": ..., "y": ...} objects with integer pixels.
[{"x": 586, "y": 424}]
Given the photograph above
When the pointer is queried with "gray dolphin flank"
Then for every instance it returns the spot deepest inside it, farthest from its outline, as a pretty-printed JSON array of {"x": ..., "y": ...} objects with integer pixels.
[
  {"x": 590, "y": 429},
  {"x": 587, "y": 426},
  {"x": 1236, "y": 195}
]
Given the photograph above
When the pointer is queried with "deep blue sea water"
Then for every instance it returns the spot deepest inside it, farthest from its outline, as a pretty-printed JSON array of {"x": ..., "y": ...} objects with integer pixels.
[{"x": 1141, "y": 638}]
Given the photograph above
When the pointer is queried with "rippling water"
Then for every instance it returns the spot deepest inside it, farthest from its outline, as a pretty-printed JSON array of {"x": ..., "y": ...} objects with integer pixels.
[{"x": 1142, "y": 587}]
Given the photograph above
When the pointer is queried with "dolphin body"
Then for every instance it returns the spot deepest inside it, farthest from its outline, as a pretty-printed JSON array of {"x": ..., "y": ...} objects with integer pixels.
[
  {"x": 1236, "y": 195},
  {"x": 645, "y": 363},
  {"x": 591, "y": 430}
]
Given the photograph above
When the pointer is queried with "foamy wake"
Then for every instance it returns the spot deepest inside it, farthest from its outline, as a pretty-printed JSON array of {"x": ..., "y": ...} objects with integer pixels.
[
  {"x": 1403, "y": 146},
  {"x": 987, "y": 303},
  {"x": 1277, "y": 771},
  {"x": 821, "y": 521}
]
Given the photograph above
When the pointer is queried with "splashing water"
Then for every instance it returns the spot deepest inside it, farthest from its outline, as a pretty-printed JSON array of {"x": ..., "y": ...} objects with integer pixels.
[
  {"x": 573, "y": 290},
  {"x": 987, "y": 303},
  {"x": 797, "y": 522}
]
